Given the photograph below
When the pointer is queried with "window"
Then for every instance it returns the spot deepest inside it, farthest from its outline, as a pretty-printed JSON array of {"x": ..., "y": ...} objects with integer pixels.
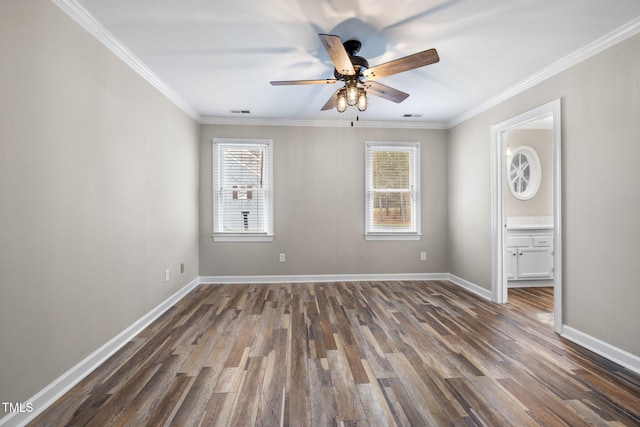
[
  {"x": 392, "y": 191},
  {"x": 525, "y": 172},
  {"x": 242, "y": 190}
]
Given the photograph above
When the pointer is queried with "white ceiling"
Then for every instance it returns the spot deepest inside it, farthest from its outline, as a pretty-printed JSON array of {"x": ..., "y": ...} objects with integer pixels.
[{"x": 219, "y": 55}]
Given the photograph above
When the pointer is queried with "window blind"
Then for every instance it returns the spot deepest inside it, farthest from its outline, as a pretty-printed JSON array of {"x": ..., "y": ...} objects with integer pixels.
[
  {"x": 392, "y": 188},
  {"x": 242, "y": 185}
]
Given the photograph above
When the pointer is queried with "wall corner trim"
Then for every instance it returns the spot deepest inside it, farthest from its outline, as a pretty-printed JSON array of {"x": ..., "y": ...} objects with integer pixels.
[
  {"x": 469, "y": 286},
  {"x": 48, "y": 395},
  {"x": 604, "y": 349}
]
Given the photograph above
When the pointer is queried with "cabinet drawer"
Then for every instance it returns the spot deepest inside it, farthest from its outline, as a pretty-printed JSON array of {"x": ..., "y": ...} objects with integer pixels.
[
  {"x": 518, "y": 241},
  {"x": 543, "y": 241}
]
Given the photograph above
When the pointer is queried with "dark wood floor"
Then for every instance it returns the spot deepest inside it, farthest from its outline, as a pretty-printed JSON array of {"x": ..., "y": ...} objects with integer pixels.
[{"x": 353, "y": 354}]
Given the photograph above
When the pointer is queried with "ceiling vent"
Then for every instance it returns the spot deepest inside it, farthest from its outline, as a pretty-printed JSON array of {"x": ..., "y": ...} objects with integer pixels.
[
  {"x": 240, "y": 111},
  {"x": 412, "y": 115}
]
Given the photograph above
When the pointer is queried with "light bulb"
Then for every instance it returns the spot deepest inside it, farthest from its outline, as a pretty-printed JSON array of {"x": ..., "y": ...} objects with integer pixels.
[
  {"x": 341, "y": 104},
  {"x": 362, "y": 101},
  {"x": 352, "y": 94}
]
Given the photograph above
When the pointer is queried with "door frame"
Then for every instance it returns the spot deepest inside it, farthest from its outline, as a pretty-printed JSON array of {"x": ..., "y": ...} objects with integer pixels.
[{"x": 499, "y": 288}]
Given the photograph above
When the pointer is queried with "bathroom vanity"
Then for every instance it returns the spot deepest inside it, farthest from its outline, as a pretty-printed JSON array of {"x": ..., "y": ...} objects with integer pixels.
[{"x": 529, "y": 251}]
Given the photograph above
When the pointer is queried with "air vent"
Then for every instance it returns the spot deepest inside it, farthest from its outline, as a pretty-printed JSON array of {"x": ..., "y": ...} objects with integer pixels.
[
  {"x": 412, "y": 115},
  {"x": 241, "y": 111}
]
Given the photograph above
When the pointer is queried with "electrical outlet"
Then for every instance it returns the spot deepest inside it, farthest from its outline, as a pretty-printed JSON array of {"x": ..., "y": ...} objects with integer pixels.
[
  {"x": 423, "y": 256},
  {"x": 282, "y": 258},
  {"x": 167, "y": 275}
]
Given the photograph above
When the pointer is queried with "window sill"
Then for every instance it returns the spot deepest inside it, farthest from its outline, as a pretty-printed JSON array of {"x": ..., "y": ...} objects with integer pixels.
[
  {"x": 242, "y": 237},
  {"x": 393, "y": 236}
]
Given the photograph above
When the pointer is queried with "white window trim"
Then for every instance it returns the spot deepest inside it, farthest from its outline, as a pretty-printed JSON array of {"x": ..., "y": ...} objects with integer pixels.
[
  {"x": 221, "y": 236},
  {"x": 390, "y": 235}
]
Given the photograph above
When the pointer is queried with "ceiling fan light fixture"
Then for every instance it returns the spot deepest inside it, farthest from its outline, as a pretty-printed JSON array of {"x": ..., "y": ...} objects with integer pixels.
[
  {"x": 357, "y": 75},
  {"x": 352, "y": 93},
  {"x": 341, "y": 103},
  {"x": 362, "y": 100}
]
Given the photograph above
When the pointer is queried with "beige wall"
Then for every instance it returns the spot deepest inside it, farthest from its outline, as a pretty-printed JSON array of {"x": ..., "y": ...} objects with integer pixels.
[
  {"x": 541, "y": 204},
  {"x": 98, "y": 196},
  {"x": 319, "y": 206},
  {"x": 601, "y": 198}
]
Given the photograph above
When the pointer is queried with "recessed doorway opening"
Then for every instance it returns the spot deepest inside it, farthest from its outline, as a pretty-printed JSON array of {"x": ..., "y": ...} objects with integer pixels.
[{"x": 526, "y": 228}]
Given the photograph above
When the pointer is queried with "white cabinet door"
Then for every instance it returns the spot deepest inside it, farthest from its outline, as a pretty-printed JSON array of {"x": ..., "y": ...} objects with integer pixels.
[
  {"x": 511, "y": 260},
  {"x": 535, "y": 263}
]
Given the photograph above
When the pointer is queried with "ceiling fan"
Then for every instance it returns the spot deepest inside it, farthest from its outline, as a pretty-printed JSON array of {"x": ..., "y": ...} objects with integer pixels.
[{"x": 358, "y": 78}]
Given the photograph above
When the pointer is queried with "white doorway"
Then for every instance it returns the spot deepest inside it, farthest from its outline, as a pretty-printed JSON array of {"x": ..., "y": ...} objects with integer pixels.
[{"x": 549, "y": 113}]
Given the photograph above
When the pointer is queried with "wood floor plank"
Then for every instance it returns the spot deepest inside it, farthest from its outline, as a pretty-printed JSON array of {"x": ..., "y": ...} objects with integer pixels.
[
  {"x": 323, "y": 407},
  {"x": 64, "y": 408},
  {"x": 374, "y": 401},
  {"x": 147, "y": 400},
  {"x": 346, "y": 392},
  {"x": 170, "y": 402},
  {"x": 192, "y": 408},
  {"x": 271, "y": 403},
  {"x": 298, "y": 384},
  {"x": 231, "y": 377},
  {"x": 218, "y": 409},
  {"x": 405, "y": 407},
  {"x": 543, "y": 408},
  {"x": 122, "y": 399},
  {"x": 427, "y": 398},
  {"x": 385, "y": 353},
  {"x": 246, "y": 404}
]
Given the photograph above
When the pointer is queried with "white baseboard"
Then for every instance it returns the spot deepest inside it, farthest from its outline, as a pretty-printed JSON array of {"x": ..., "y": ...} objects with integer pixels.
[
  {"x": 471, "y": 287},
  {"x": 66, "y": 381},
  {"x": 606, "y": 350},
  {"x": 304, "y": 278},
  {"x": 511, "y": 284}
]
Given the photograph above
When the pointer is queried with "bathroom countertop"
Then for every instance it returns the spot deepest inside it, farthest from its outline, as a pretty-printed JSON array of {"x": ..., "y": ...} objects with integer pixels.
[{"x": 529, "y": 223}]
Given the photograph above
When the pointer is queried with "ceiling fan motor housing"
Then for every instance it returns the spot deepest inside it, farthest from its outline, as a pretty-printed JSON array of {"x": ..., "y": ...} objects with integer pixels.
[
  {"x": 352, "y": 46},
  {"x": 358, "y": 63}
]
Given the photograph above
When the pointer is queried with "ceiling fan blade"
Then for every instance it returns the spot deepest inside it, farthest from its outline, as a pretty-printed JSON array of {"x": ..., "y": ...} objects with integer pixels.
[
  {"x": 338, "y": 54},
  {"x": 302, "y": 82},
  {"x": 406, "y": 63},
  {"x": 331, "y": 103},
  {"x": 386, "y": 92}
]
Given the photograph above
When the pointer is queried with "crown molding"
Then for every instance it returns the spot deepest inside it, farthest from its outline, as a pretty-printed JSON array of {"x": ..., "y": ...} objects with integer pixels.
[
  {"x": 81, "y": 16},
  {"x": 616, "y": 36},
  {"x": 209, "y": 120}
]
